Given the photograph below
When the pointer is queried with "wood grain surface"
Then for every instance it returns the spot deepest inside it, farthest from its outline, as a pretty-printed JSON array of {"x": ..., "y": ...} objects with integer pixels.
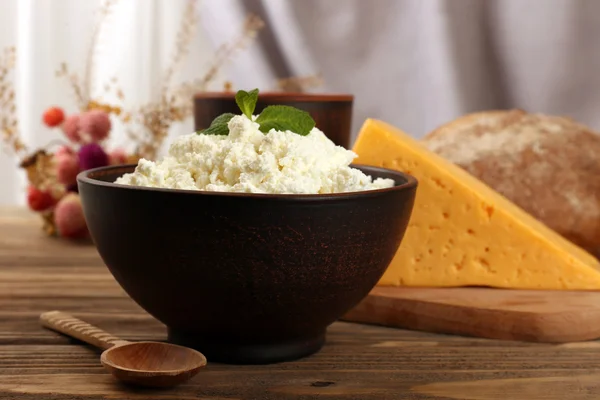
[
  {"x": 363, "y": 362},
  {"x": 546, "y": 316}
]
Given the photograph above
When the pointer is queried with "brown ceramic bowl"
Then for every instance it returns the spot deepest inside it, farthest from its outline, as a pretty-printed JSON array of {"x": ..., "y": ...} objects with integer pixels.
[
  {"x": 331, "y": 112},
  {"x": 245, "y": 278}
]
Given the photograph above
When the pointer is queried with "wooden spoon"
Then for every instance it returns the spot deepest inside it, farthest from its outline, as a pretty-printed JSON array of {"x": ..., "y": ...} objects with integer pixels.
[{"x": 152, "y": 364}]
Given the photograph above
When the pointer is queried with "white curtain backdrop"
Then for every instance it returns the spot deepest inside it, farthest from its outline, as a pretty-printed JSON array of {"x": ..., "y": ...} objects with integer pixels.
[{"x": 413, "y": 63}]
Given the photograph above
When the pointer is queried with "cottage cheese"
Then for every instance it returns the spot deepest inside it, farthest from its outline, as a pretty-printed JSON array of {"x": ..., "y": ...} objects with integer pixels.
[{"x": 248, "y": 160}]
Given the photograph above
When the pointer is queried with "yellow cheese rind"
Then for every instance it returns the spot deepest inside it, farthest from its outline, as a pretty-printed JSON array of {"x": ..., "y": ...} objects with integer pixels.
[{"x": 463, "y": 233}]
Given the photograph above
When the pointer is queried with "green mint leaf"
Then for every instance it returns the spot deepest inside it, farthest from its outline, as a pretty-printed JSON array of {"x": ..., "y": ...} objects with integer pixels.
[
  {"x": 285, "y": 118},
  {"x": 222, "y": 119},
  {"x": 218, "y": 126},
  {"x": 219, "y": 129},
  {"x": 246, "y": 101}
]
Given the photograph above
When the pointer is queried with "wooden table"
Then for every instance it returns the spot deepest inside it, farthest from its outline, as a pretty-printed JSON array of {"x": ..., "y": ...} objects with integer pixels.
[{"x": 358, "y": 362}]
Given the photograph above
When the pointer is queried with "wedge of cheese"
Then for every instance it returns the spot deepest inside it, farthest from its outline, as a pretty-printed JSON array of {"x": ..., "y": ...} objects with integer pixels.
[{"x": 463, "y": 233}]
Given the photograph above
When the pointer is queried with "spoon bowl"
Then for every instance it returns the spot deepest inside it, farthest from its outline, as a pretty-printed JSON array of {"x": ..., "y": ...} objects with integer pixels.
[{"x": 152, "y": 364}]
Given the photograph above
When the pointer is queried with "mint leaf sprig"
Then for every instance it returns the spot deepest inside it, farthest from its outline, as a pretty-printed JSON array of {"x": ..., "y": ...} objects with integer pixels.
[
  {"x": 218, "y": 126},
  {"x": 285, "y": 118},
  {"x": 246, "y": 101},
  {"x": 279, "y": 117}
]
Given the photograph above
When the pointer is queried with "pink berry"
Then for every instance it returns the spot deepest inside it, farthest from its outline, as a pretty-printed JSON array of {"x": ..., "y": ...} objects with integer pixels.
[
  {"x": 117, "y": 157},
  {"x": 71, "y": 128},
  {"x": 69, "y": 218},
  {"x": 96, "y": 124},
  {"x": 63, "y": 151},
  {"x": 92, "y": 155},
  {"x": 67, "y": 168}
]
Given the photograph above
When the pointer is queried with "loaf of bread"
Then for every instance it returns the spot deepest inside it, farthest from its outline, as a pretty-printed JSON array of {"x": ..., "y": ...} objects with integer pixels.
[{"x": 548, "y": 165}]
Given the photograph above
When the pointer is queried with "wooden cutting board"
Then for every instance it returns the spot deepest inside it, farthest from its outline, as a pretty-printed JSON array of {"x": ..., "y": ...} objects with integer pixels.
[{"x": 526, "y": 315}]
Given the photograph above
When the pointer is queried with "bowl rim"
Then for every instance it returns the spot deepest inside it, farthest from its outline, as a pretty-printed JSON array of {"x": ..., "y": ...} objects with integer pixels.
[
  {"x": 298, "y": 97},
  {"x": 85, "y": 177}
]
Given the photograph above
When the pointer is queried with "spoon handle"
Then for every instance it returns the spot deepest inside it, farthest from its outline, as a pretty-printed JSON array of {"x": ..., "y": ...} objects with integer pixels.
[{"x": 74, "y": 327}]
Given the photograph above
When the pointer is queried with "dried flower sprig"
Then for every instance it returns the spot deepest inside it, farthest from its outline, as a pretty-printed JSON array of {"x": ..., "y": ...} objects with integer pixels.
[
  {"x": 184, "y": 93},
  {"x": 184, "y": 38},
  {"x": 9, "y": 124},
  {"x": 81, "y": 87},
  {"x": 104, "y": 11},
  {"x": 252, "y": 25},
  {"x": 150, "y": 123},
  {"x": 79, "y": 91}
]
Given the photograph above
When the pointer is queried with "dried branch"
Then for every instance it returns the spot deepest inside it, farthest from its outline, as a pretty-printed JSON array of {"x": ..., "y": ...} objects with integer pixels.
[
  {"x": 76, "y": 86},
  {"x": 175, "y": 105},
  {"x": 9, "y": 124},
  {"x": 81, "y": 87},
  {"x": 104, "y": 11},
  {"x": 185, "y": 35},
  {"x": 184, "y": 93},
  {"x": 252, "y": 25}
]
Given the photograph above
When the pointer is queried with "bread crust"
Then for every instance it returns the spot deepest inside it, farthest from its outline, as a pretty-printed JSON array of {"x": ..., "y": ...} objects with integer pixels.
[{"x": 547, "y": 165}]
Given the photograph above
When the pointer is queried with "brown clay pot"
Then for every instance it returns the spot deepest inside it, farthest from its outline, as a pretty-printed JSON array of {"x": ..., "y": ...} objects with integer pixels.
[
  {"x": 331, "y": 112},
  {"x": 245, "y": 278}
]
